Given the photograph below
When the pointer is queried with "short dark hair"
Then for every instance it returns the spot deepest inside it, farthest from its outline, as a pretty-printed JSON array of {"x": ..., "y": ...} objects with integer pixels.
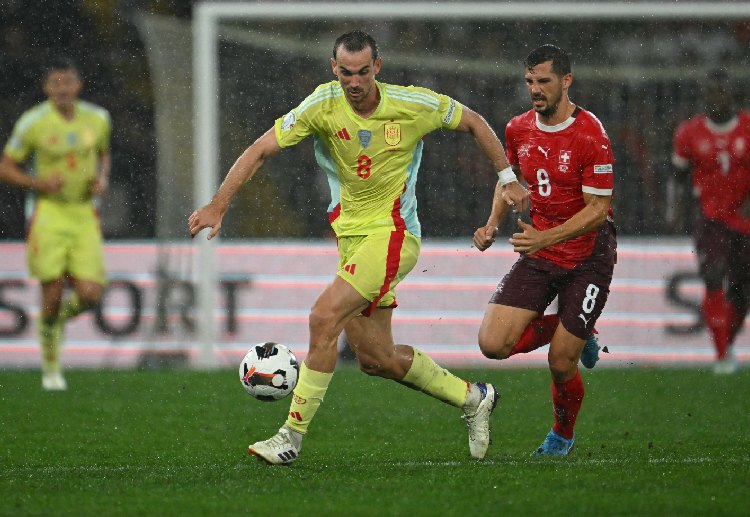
[
  {"x": 59, "y": 63},
  {"x": 355, "y": 41},
  {"x": 559, "y": 57}
]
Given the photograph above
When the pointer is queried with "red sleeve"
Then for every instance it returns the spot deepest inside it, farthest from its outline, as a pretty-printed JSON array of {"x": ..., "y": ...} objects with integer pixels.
[{"x": 598, "y": 171}]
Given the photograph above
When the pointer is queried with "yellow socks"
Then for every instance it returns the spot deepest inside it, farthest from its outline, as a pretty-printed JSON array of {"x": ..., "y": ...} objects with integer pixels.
[
  {"x": 307, "y": 396},
  {"x": 427, "y": 376},
  {"x": 50, "y": 335}
]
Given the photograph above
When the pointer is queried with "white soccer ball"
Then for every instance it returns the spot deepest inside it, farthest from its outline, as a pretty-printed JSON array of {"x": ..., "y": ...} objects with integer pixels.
[{"x": 269, "y": 371}]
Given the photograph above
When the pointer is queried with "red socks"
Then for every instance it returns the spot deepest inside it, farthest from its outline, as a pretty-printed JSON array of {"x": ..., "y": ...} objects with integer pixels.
[
  {"x": 720, "y": 316},
  {"x": 537, "y": 334},
  {"x": 566, "y": 401}
]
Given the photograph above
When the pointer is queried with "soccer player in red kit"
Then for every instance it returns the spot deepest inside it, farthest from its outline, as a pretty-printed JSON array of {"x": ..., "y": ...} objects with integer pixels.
[
  {"x": 569, "y": 249},
  {"x": 716, "y": 147}
]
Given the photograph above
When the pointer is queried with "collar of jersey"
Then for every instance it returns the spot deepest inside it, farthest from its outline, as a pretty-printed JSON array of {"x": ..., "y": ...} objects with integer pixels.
[
  {"x": 59, "y": 115},
  {"x": 377, "y": 110},
  {"x": 724, "y": 127},
  {"x": 565, "y": 124}
]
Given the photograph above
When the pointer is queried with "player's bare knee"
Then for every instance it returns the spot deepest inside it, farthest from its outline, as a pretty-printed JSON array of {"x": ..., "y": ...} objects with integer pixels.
[
  {"x": 562, "y": 368},
  {"x": 494, "y": 348}
]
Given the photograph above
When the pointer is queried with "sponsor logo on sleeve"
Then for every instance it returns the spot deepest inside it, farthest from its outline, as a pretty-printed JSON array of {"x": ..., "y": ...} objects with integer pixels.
[
  {"x": 288, "y": 122},
  {"x": 449, "y": 115},
  {"x": 603, "y": 169}
]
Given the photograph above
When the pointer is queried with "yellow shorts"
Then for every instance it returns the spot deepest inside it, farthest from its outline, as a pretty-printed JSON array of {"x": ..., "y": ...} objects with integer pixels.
[
  {"x": 65, "y": 239},
  {"x": 375, "y": 264}
]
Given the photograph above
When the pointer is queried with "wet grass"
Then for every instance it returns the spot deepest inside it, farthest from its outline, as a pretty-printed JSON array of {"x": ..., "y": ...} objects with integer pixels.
[{"x": 649, "y": 442}]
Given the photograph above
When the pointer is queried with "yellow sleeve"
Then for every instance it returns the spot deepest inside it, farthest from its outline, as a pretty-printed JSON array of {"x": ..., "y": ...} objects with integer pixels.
[
  {"x": 21, "y": 143},
  {"x": 450, "y": 112},
  {"x": 104, "y": 138},
  {"x": 305, "y": 119},
  {"x": 446, "y": 116},
  {"x": 291, "y": 129}
]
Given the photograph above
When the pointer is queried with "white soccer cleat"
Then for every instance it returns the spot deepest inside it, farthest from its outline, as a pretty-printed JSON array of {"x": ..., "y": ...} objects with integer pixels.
[
  {"x": 54, "y": 381},
  {"x": 277, "y": 450},
  {"x": 478, "y": 420},
  {"x": 728, "y": 365}
]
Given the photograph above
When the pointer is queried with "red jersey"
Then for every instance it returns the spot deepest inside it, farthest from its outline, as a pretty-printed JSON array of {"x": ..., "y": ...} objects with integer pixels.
[
  {"x": 560, "y": 163},
  {"x": 719, "y": 155}
]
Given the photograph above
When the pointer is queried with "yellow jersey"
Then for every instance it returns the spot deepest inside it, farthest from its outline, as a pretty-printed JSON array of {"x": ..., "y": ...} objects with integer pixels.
[
  {"x": 65, "y": 148},
  {"x": 371, "y": 163}
]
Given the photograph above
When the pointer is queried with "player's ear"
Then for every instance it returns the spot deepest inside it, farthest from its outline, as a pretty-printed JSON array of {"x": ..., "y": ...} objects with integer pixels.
[
  {"x": 333, "y": 67},
  {"x": 567, "y": 80},
  {"x": 376, "y": 66}
]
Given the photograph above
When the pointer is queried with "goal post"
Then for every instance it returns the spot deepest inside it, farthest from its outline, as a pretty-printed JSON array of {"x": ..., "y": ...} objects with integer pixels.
[{"x": 207, "y": 17}]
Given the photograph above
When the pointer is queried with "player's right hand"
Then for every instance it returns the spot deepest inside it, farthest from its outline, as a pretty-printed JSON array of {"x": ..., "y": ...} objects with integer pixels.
[
  {"x": 485, "y": 236},
  {"x": 206, "y": 217}
]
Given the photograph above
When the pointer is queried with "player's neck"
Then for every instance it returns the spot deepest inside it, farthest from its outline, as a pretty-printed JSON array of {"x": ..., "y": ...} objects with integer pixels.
[
  {"x": 66, "y": 111},
  {"x": 562, "y": 113},
  {"x": 366, "y": 107}
]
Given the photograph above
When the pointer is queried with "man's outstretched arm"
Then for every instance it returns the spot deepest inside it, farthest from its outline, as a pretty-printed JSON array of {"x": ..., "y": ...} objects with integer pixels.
[
  {"x": 211, "y": 215},
  {"x": 512, "y": 191}
]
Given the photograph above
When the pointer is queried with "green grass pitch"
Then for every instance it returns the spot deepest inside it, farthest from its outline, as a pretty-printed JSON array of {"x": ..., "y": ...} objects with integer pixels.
[{"x": 649, "y": 442}]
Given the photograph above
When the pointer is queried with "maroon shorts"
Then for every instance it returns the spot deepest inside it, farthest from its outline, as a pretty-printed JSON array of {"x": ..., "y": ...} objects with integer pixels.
[{"x": 581, "y": 292}]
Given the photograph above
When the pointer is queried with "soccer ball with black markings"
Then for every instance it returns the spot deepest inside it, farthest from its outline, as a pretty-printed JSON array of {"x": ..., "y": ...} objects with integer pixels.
[{"x": 269, "y": 371}]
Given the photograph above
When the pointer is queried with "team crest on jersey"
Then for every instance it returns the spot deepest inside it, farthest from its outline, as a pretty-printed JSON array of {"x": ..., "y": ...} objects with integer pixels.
[
  {"x": 88, "y": 137},
  {"x": 565, "y": 156},
  {"x": 289, "y": 120},
  {"x": 739, "y": 146},
  {"x": 364, "y": 136},
  {"x": 524, "y": 150},
  {"x": 392, "y": 134}
]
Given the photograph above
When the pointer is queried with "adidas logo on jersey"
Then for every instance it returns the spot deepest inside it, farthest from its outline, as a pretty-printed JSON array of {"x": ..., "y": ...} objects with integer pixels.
[
  {"x": 343, "y": 134},
  {"x": 349, "y": 268}
]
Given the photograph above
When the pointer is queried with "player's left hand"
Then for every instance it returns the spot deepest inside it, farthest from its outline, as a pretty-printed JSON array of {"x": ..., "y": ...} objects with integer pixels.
[{"x": 529, "y": 241}]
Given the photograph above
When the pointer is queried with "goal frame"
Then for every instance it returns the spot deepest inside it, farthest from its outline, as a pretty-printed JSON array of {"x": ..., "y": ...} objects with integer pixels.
[{"x": 205, "y": 27}]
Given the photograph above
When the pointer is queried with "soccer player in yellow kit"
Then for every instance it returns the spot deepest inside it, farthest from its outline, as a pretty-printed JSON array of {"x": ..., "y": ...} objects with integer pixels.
[
  {"x": 68, "y": 140},
  {"x": 368, "y": 140}
]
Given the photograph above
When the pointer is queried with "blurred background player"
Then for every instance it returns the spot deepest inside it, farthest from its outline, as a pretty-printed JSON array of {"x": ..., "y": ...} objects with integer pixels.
[
  {"x": 715, "y": 148},
  {"x": 368, "y": 140},
  {"x": 65, "y": 142},
  {"x": 568, "y": 251}
]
